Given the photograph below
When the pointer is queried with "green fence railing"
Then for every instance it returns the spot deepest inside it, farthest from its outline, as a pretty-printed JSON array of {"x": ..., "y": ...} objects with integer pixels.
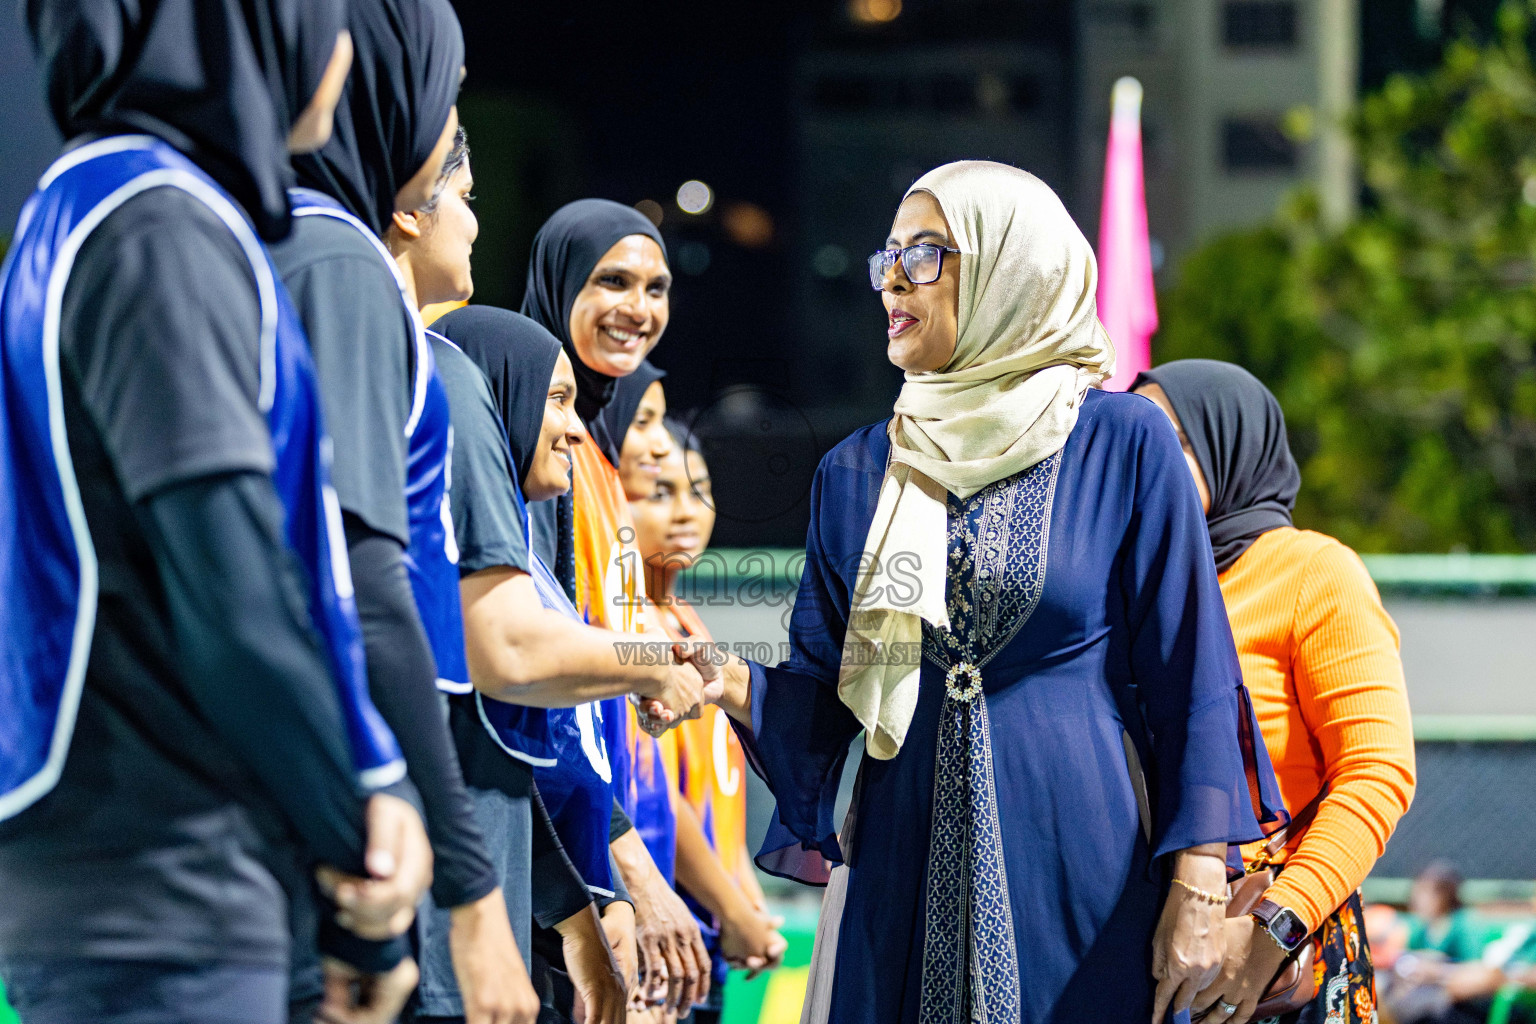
[
  {"x": 1454, "y": 575},
  {"x": 1474, "y": 891},
  {"x": 1474, "y": 728},
  {"x": 725, "y": 571}
]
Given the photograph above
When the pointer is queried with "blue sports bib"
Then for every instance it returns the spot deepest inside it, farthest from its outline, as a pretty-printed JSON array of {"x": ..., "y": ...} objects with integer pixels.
[
  {"x": 432, "y": 558},
  {"x": 568, "y": 749},
  {"x": 48, "y": 570}
]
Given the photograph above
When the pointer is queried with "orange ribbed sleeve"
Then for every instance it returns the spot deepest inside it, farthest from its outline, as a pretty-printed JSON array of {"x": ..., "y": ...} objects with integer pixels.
[{"x": 1349, "y": 685}]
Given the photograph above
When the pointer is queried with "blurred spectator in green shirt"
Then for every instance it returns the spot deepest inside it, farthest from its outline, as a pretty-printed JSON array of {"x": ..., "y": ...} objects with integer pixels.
[
  {"x": 1444, "y": 978},
  {"x": 1439, "y": 921}
]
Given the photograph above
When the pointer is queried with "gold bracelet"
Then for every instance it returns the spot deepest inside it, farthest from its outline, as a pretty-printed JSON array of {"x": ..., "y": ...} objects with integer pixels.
[{"x": 1209, "y": 897}]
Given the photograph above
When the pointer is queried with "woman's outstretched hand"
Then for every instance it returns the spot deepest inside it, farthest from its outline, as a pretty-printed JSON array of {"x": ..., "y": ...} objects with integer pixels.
[
  {"x": 710, "y": 661},
  {"x": 1190, "y": 942}
]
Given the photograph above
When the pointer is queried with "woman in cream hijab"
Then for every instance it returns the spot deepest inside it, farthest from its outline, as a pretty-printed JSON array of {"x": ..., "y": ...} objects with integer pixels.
[{"x": 1009, "y": 590}]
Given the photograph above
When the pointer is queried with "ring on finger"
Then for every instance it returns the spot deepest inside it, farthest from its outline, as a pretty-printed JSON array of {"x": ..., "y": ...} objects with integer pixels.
[{"x": 1227, "y": 1009}]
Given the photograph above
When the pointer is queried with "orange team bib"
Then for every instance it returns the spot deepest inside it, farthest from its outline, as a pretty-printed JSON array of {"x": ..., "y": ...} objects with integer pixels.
[
  {"x": 610, "y": 589},
  {"x": 609, "y": 584}
]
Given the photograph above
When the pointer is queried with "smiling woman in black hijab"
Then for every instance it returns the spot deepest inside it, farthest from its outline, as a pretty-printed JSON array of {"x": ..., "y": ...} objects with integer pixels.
[
  {"x": 518, "y": 358},
  {"x": 630, "y": 298},
  {"x": 1233, "y": 428},
  {"x": 598, "y": 280},
  {"x": 512, "y": 369},
  {"x": 566, "y": 251}
]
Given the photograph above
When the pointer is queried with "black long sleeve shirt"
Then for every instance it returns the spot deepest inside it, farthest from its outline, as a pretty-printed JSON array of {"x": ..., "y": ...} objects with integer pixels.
[
  {"x": 209, "y": 745},
  {"x": 402, "y": 678}
]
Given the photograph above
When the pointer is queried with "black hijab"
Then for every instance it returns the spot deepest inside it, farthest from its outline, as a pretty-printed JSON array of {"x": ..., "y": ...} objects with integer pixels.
[
  {"x": 518, "y": 358},
  {"x": 221, "y": 80},
  {"x": 565, "y": 250},
  {"x": 404, "y": 81},
  {"x": 1237, "y": 431},
  {"x": 612, "y": 421}
]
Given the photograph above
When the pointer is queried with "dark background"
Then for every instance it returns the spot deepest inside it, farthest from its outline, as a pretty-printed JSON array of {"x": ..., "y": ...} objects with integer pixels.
[
  {"x": 776, "y": 345},
  {"x": 628, "y": 101}
]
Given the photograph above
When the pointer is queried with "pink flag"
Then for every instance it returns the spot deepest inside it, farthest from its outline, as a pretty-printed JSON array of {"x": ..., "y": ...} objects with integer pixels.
[{"x": 1127, "y": 305}]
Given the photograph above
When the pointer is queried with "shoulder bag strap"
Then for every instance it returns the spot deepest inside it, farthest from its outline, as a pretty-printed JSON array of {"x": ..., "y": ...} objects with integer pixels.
[{"x": 1299, "y": 822}]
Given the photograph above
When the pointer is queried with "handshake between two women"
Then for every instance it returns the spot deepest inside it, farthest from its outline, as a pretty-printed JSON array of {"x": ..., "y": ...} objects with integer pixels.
[{"x": 696, "y": 678}]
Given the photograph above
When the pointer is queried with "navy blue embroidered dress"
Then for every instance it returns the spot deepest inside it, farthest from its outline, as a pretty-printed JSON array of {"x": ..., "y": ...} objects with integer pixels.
[{"x": 1002, "y": 866}]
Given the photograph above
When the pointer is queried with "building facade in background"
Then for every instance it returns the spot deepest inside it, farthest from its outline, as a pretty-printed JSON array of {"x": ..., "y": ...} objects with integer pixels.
[
  {"x": 1243, "y": 103},
  {"x": 1244, "y": 99},
  {"x": 869, "y": 123}
]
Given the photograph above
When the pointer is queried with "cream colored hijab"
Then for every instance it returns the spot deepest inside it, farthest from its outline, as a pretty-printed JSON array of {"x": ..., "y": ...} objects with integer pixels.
[{"x": 1029, "y": 347}]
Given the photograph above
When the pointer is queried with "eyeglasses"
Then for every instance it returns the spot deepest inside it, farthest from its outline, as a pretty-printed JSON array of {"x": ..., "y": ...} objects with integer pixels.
[{"x": 923, "y": 263}]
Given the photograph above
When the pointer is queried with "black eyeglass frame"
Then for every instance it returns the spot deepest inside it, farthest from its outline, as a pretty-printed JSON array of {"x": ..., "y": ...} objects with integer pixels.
[{"x": 889, "y": 257}]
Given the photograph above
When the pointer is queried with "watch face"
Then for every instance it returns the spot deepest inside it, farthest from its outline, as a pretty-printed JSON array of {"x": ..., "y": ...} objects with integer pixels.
[{"x": 1287, "y": 929}]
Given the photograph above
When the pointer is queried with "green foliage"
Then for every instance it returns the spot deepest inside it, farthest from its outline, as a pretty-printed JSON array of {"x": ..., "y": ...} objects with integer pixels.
[{"x": 1400, "y": 345}]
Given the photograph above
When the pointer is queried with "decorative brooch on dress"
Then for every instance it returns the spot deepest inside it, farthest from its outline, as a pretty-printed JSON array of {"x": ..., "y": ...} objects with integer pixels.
[{"x": 972, "y": 689}]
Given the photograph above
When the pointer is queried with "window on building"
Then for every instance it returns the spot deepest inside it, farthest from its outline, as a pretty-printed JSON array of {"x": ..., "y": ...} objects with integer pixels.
[
  {"x": 954, "y": 94},
  {"x": 856, "y": 94},
  {"x": 845, "y": 93},
  {"x": 1135, "y": 19},
  {"x": 1256, "y": 145},
  {"x": 1255, "y": 24},
  {"x": 947, "y": 93},
  {"x": 1024, "y": 93}
]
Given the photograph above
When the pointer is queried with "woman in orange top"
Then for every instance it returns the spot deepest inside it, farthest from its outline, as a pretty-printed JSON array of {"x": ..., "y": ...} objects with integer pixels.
[{"x": 1320, "y": 660}]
